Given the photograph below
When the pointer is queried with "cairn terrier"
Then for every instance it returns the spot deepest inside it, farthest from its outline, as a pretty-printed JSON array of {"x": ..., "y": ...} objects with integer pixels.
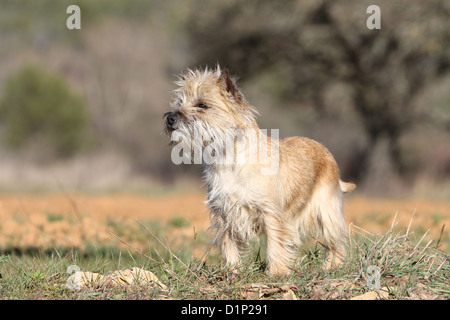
[{"x": 257, "y": 185}]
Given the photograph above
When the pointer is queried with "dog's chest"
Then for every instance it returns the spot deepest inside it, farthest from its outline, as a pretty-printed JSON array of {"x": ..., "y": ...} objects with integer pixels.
[
  {"x": 234, "y": 204},
  {"x": 232, "y": 188}
]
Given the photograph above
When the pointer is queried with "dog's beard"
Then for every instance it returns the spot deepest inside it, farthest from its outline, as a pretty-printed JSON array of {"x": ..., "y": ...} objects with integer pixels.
[{"x": 198, "y": 143}]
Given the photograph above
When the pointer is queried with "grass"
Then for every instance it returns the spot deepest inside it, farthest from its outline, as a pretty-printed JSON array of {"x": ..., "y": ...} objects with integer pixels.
[
  {"x": 406, "y": 268},
  {"x": 51, "y": 217},
  {"x": 178, "y": 221}
]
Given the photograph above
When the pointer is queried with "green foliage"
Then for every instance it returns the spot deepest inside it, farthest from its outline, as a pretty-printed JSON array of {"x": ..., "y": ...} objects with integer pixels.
[
  {"x": 39, "y": 105},
  {"x": 179, "y": 221}
]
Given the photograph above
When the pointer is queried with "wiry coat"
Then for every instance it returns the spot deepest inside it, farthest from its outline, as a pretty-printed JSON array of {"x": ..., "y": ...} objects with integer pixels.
[{"x": 303, "y": 196}]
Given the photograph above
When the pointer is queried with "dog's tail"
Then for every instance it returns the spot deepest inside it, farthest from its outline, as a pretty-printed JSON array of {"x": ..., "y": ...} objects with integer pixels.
[{"x": 347, "y": 186}]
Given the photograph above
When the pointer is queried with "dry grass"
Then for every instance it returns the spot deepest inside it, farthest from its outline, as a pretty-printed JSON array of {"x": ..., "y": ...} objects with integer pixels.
[
  {"x": 72, "y": 220},
  {"x": 408, "y": 269}
]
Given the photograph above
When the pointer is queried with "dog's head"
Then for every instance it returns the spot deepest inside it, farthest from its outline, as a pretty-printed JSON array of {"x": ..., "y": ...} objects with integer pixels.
[{"x": 208, "y": 102}]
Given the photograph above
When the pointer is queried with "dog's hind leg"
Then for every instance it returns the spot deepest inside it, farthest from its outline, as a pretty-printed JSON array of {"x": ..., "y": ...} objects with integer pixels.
[{"x": 282, "y": 245}]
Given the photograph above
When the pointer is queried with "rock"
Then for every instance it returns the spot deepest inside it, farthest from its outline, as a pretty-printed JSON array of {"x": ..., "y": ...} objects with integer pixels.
[
  {"x": 373, "y": 295},
  {"x": 289, "y": 295},
  {"x": 256, "y": 291},
  {"x": 82, "y": 279},
  {"x": 133, "y": 276}
]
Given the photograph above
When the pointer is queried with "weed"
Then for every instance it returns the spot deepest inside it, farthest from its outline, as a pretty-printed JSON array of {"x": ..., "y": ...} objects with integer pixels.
[
  {"x": 394, "y": 261},
  {"x": 179, "y": 221},
  {"x": 51, "y": 217}
]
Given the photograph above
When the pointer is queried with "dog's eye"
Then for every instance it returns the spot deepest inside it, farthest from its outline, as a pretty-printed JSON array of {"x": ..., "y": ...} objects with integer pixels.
[{"x": 202, "y": 105}]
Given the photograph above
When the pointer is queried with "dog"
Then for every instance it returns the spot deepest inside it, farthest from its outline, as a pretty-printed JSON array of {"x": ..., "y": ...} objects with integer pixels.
[{"x": 297, "y": 193}]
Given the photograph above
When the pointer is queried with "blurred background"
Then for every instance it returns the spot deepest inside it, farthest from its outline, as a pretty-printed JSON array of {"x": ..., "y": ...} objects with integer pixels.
[{"x": 82, "y": 109}]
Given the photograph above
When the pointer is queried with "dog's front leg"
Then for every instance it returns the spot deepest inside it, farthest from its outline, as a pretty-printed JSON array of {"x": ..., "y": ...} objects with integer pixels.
[{"x": 231, "y": 250}]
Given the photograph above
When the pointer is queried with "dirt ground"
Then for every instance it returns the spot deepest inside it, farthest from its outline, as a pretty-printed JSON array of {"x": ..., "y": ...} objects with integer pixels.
[{"x": 48, "y": 220}]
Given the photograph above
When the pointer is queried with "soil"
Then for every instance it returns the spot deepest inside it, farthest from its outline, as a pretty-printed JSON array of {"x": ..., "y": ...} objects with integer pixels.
[{"x": 70, "y": 220}]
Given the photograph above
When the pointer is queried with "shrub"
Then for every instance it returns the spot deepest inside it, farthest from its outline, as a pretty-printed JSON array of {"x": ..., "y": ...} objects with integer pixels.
[{"x": 38, "y": 104}]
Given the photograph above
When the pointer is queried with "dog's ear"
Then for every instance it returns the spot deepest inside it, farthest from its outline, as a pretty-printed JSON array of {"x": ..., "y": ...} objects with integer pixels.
[{"x": 228, "y": 82}]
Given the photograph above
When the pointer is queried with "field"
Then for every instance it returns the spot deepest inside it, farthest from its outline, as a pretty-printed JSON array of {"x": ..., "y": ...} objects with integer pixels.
[{"x": 41, "y": 235}]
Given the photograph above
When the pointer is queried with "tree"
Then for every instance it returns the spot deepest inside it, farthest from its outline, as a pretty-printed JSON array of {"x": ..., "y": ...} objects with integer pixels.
[
  {"x": 38, "y": 104},
  {"x": 316, "y": 44}
]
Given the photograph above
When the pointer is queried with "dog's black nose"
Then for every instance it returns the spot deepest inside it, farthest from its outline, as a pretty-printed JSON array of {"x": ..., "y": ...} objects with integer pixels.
[{"x": 172, "y": 118}]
